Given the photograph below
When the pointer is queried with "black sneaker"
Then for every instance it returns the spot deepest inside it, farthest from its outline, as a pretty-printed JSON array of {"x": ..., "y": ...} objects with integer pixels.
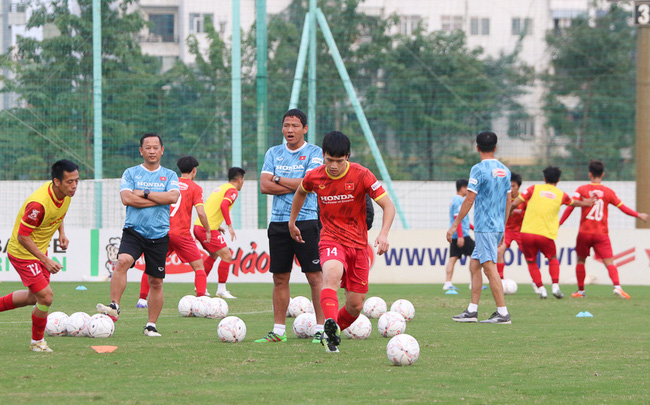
[
  {"x": 331, "y": 336},
  {"x": 466, "y": 316},
  {"x": 151, "y": 331},
  {"x": 496, "y": 317}
]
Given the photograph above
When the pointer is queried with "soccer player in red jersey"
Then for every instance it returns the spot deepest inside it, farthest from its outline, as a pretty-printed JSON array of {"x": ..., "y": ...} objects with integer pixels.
[
  {"x": 513, "y": 226},
  {"x": 341, "y": 188},
  {"x": 594, "y": 231},
  {"x": 180, "y": 219},
  {"x": 40, "y": 216}
]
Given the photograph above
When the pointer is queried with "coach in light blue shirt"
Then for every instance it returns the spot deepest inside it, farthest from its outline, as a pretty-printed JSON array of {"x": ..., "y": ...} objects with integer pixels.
[
  {"x": 282, "y": 173},
  {"x": 147, "y": 190}
]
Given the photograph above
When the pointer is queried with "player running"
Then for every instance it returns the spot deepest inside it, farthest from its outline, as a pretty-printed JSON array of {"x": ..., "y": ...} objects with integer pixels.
[
  {"x": 594, "y": 231},
  {"x": 513, "y": 226},
  {"x": 218, "y": 207},
  {"x": 341, "y": 188},
  {"x": 180, "y": 219},
  {"x": 40, "y": 216},
  {"x": 540, "y": 225},
  {"x": 461, "y": 242}
]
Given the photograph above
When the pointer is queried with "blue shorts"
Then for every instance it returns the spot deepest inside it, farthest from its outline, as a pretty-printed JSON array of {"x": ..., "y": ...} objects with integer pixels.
[{"x": 486, "y": 246}]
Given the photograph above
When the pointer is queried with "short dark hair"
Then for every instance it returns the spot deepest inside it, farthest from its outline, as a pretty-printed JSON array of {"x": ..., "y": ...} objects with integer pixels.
[
  {"x": 516, "y": 177},
  {"x": 336, "y": 144},
  {"x": 294, "y": 112},
  {"x": 460, "y": 183},
  {"x": 61, "y": 166},
  {"x": 187, "y": 163},
  {"x": 235, "y": 172},
  {"x": 597, "y": 168},
  {"x": 552, "y": 174},
  {"x": 150, "y": 135},
  {"x": 486, "y": 141}
]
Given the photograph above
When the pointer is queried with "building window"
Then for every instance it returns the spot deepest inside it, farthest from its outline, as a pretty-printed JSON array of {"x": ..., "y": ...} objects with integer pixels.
[
  {"x": 162, "y": 26},
  {"x": 524, "y": 127},
  {"x": 522, "y": 26},
  {"x": 408, "y": 24},
  {"x": 197, "y": 22},
  {"x": 562, "y": 18},
  {"x": 479, "y": 26},
  {"x": 450, "y": 23}
]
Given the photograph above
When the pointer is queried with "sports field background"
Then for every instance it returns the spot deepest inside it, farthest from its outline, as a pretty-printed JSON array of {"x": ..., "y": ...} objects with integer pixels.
[{"x": 546, "y": 356}]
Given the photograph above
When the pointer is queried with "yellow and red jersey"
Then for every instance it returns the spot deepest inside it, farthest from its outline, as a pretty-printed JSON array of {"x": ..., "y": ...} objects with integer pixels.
[
  {"x": 594, "y": 219},
  {"x": 180, "y": 213},
  {"x": 544, "y": 202},
  {"x": 214, "y": 205},
  {"x": 342, "y": 202},
  {"x": 40, "y": 216}
]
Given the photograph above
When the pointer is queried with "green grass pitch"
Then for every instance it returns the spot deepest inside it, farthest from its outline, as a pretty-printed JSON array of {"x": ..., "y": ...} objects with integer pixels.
[{"x": 546, "y": 356}]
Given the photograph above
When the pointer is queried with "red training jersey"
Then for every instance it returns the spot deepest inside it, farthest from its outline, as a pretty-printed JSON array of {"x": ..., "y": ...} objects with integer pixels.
[
  {"x": 342, "y": 202},
  {"x": 180, "y": 214},
  {"x": 594, "y": 219},
  {"x": 516, "y": 217}
]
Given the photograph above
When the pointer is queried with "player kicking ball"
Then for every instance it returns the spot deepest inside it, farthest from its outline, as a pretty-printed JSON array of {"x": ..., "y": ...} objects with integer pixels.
[{"x": 341, "y": 188}]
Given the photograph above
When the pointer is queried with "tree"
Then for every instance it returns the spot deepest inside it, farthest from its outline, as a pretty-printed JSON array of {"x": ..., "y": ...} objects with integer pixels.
[{"x": 591, "y": 95}]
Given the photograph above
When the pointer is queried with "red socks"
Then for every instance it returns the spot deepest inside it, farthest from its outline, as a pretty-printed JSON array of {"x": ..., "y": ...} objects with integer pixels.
[
  {"x": 144, "y": 286},
  {"x": 345, "y": 319},
  {"x": 7, "y": 302},
  {"x": 535, "y": 274},
  {"x": 200, "y": 282},
  {"x": 38, "y": 327},
  {"x": 329, "y": 301},
  {"x": 554, "y": 269},
  {"x": 613, "y": 274},
  {"x": 223, "y": 271},
  {"x": 500, "y": 267},
  {"x": 580, "y": 275},
  {"x": 207, "y": 264}
]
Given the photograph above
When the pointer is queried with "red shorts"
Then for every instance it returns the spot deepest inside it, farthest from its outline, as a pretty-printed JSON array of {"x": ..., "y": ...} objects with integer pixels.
[
  {"x": 601, "y": 244},
  {"x": 356, "y": 264},
  {"x": 511, "y": 236},
  {"x": 217, "y": 240},
  {"x": 532, "y": 244},
  {"x": 184, "y": 246},
  {"x": 32, "y": 272}
]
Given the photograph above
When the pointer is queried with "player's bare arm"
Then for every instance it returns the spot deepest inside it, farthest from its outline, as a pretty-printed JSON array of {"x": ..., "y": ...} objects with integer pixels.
[
  {"x": 386, "y": 204},
  {"x": 63, "y": 239},
  {"x": 583, "y": 203},
  {"x": 643, "y": 216},
  {"x": 200, "y": 211},
  {"x": 231, "y": 230},
  {"x": 51, "y": 265},
  {"x": 298, "y": 201},
  {"x": 284, "y": 186},
  {"x": 160, "y": 197},
  {"x": 514, "y": 204},
  {"x": 508, "y": 211},
  {"x": 464, "y": 209}
]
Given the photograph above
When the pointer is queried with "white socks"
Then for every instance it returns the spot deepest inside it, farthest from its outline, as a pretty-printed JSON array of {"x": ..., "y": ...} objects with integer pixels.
[
  {"x": 221, "y": 288},
  {"x": 279, "y": 329},
  {"x": 472, "y": 307}
]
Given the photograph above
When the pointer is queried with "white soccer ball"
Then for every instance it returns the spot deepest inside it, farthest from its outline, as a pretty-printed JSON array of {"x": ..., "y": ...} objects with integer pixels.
[
  {"x": 300, "y": 305},
  {"x": 216, "y": 308},
  {"x": 391, "y": 324},
  {"x": 185, "y": 305},
  {"x": 231, "y": 329},
  {"x": 101, "y": 326},
  {"x": 404, "y": 308},
  {"x": 78, "y": 324},
  {"x": 374, "y": 307},
  {"x": 199, "y": 308},
  {"x": 303, "y": 325},
  {"x": 403, "y": 350},
  {"x": 56, "y": 324},
  {"x": 360, "y": 329},
  {"x": 509, "y": 286}
]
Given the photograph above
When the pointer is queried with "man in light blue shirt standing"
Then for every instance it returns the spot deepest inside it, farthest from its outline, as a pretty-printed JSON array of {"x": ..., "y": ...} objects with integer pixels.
[
  {"x": 147, "y": 190},
  {"x": 283, "y": 170},
  {"x": 461, "y": 242},
  {"x": 489, "y": 187}
]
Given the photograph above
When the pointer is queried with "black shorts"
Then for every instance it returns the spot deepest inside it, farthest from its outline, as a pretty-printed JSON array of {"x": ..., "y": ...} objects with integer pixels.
[
  {"x": 283, "y": 248},
  {"x": 155, "y": 251},
  {"x": 467, "y": 249}
]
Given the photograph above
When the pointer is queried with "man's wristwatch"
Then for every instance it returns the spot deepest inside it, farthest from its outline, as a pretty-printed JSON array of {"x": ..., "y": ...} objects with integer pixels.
[
  {"x": 146, "y": 194},
  {"x": 276, "y": 179}
]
